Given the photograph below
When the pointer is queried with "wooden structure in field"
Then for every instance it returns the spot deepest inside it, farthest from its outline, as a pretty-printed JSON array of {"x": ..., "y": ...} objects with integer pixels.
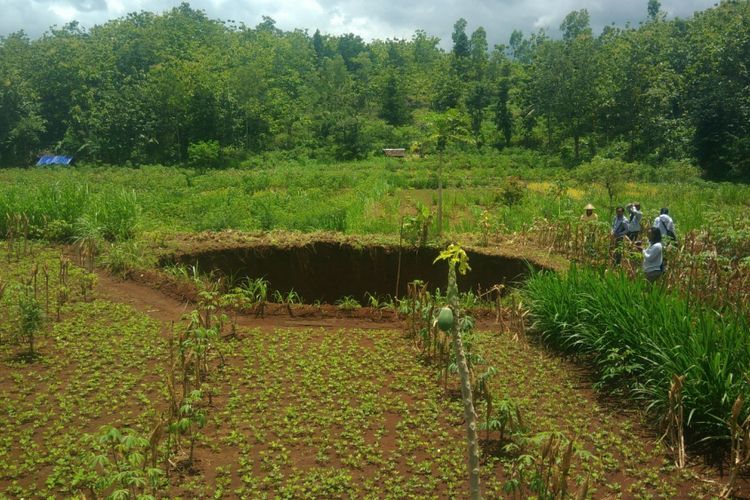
[{"x": 395, "y": 152}]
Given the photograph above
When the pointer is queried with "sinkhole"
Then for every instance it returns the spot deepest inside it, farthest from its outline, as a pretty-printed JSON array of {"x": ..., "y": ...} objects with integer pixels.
[{"x": 327, "y": 271}]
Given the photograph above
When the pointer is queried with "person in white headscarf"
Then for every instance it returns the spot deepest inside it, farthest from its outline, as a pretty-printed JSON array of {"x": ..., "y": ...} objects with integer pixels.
[{"x": 634, "y": 223}]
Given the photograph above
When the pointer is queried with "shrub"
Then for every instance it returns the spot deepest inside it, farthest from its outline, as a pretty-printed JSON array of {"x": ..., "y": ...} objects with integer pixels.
[
  {"x": 512, "y": 192},
  {"x": 204, "y": 155}
]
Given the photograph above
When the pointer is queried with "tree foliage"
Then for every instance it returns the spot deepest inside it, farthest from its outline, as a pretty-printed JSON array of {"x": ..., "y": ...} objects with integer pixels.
[{"x": 144, "y": 87}]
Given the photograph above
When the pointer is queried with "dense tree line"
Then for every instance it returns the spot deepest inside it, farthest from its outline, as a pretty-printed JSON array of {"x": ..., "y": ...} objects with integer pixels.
[{"x": 163, "y": 88}]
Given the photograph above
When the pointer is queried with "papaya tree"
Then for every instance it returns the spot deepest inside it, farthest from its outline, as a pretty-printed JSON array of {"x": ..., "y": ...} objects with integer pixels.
[{"x": 448, "y": 320}]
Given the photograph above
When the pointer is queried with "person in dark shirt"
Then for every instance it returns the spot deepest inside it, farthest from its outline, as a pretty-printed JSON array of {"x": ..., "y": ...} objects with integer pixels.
[{"x": 619, "y": 230}]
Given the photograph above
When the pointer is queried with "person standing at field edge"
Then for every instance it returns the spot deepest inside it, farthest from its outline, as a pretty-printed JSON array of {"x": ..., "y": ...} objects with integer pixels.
[
  {"x": 653, "y": 256},
  {"x": 618, "y": 232},
  {"x": 589, "y": 216},
  {"x": 665, "y": 224},
  {"x": 634, "y": 224}
]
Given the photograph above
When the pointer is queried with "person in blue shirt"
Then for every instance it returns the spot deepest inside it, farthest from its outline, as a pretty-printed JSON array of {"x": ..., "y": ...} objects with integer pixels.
[{"x": 619, "y": 230}]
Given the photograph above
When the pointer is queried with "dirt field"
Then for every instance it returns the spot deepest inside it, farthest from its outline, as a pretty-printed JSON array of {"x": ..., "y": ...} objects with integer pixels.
[{"x": 326, "y": 403}]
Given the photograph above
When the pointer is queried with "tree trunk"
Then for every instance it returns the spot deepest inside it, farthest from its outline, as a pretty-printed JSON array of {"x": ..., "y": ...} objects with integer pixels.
[
  {"x": 470, "y": 415},
  {"x": 549, "y": 134},
  {"x": 440, "y": 197}
]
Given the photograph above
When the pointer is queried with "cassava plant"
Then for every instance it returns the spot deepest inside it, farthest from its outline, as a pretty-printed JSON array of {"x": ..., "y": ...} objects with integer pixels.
[
  {"x": 482, "y": 391},
  {"x": 233, "y": 303},
  {"x": 61, "y": 298},
  {"x": 30, "y": 317},
  {"x": 191, "y": 418},
  {"x": 545, "y": 474},
  {"x": 124, "y": 465},
  {"x": 87, "y": 283},
  {"x": 505, "y": 416}
]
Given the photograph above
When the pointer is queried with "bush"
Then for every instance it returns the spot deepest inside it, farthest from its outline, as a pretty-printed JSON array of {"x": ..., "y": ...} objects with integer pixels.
[
  {"x": 204, "y": 155},
  {"x": 512, "y": 192}
]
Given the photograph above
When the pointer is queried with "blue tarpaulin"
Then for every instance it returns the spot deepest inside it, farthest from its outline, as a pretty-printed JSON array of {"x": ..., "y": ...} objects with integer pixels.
[{"x": 55, "y": 160}]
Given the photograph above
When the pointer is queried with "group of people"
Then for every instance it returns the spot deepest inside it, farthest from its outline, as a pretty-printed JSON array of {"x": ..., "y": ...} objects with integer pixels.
[{"x": 630, "y": 227}]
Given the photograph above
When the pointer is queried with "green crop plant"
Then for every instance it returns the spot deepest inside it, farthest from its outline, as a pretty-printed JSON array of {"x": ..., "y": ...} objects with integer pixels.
[
  {"x": 415, "y": 228},
  {"x": 485, "y": 228},
  {"x": 196, "y": 343},
  {"x": 545, "y": 474},
  {"x": 123, "y": 465},
  {"x": 209, "y": 303},
  {"x": 638, "y": 337},
  {"x": 87, "y": 283},
  {"x": 61, "y": 298},
  {"x": 287, "y": 300},
  {"x": 233, "y": 302},
  {"x": 457, "y": 258},
  {"x": 256, "y": 292},
  {"x": 505, "y": 415},
  {"x": 482, "y": 390},
  {"x": 30, "y": 318},
  {"x": 469, "y": 300},
  {"x": 348, "y": 304},
  {"x": 376, "y": 305},
  {"x": 191, "y": 418}
]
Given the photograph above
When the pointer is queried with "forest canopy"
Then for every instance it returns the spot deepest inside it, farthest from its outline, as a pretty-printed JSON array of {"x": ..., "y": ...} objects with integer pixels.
[{"x": 179, "y": 87}]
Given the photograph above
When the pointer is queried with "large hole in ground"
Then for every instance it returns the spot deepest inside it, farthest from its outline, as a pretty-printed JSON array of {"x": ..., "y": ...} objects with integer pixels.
[{"x": 326, "y": 271}]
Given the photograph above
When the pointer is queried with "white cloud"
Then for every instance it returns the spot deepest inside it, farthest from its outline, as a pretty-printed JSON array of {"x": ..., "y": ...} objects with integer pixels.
[
  {"x": 65, "y": 13},
  {"x": 368, "y": 19}
]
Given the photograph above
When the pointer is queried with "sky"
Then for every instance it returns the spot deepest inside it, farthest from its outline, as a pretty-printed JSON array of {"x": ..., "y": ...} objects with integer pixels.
[{"x": 369, "y": 19}]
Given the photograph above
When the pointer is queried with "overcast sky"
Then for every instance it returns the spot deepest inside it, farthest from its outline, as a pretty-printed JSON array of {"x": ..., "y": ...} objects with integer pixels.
[{"x": 366, "y": 18}]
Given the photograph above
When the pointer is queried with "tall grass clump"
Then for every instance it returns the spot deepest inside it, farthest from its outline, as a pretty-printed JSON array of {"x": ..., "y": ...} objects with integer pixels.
[
  {"x": 54, "y": 210},
  {"x": 637, "y": 337},
  {"x": 115, "y": 212}
]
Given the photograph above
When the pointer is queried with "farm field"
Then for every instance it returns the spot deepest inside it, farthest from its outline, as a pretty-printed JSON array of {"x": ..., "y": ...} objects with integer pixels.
[
  {"x": 367, "y": 197},
  {"x": 131, "y": 365},
  {"x": 326, "y": 258},
  {"x": 340, "y": 407}
]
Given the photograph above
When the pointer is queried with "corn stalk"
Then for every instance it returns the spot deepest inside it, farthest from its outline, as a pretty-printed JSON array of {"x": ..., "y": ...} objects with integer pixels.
[
  {"x": 676, "y": 420},
  {"x": 740, "y": 456}
]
